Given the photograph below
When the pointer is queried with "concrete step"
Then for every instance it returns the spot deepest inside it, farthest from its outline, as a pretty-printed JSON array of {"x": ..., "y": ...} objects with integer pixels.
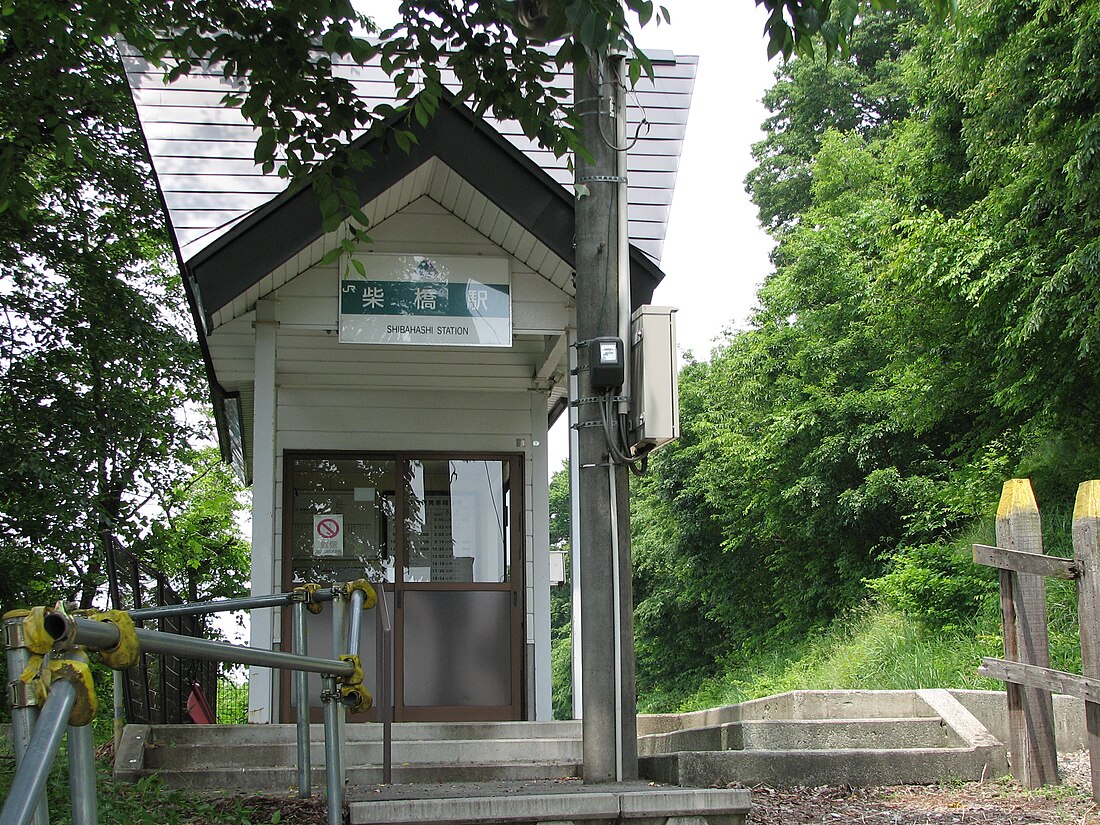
[
  {"x": 836, "y": 734},
  {"x": 557, "y": 803},
  {"x": 284, "y": 779},
  {"x": 244, "y": 757},
  {"x": 363, "y": 732},
  {"x": 420, "y": 751},
  {"x": 806, "y": 734},
  {"x": 862, "y": 767}
]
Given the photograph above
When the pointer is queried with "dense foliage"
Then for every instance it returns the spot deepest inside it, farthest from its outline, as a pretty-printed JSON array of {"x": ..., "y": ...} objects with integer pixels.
[
  {"x": 930, "y": 329},
  {"x": 97, "y": 365}
]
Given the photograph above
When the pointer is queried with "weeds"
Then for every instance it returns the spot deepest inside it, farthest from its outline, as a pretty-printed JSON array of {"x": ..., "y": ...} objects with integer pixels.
[{"x": 145, "y": 802}]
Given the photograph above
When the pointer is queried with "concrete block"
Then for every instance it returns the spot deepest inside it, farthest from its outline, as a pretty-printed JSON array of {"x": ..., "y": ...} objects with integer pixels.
[
  {"x": 691, "y": 739},
  {"x": 965, "y": 725},
  {"x": 130, "y": 756},
  {"x": 833, "y": 734},
  {"x": 990, "y": 708},
  {"x": 650, "y": 724},
  {"x": 861, "y": 768},
  {"x": 684, "y": 802},
  {"x": 857, "y": 704}
]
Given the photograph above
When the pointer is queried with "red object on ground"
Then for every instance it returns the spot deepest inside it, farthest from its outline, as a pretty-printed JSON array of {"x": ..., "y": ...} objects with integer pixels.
[{"x": 198, "y": 708}]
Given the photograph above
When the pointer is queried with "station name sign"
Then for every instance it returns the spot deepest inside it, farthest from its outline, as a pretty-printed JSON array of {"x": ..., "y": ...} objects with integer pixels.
[{"x": 437, "y": 300}]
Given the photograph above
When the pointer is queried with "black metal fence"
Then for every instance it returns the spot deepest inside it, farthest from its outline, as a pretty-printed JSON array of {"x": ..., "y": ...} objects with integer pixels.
[
  {"x": 232, "y": 696},
  {"x": 164, "y": 689}
]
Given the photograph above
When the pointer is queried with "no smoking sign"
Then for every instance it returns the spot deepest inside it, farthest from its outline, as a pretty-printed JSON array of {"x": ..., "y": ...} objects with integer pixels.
[{"x": 328, "y": 535}]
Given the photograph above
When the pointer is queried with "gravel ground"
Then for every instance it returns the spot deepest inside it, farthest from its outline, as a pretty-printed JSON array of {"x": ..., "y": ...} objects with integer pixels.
[
  {"x": 972, "y": 803},
  {"x": 967, "y": 804}
]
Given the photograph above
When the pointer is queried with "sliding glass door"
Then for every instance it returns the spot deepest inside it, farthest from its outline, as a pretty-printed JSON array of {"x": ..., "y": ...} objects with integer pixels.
[{"x": 444, "y": 534}]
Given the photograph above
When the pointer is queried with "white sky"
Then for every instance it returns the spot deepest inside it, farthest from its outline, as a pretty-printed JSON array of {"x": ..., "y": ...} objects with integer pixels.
[{"x": 715, "y": 255}]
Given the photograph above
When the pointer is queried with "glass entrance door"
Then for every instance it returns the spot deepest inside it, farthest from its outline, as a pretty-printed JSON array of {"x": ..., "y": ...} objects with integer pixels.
[{"x": 444, "y": 535}]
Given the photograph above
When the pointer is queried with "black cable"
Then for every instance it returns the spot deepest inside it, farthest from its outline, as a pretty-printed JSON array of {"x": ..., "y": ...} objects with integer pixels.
[{"x": 616, "y": 437}]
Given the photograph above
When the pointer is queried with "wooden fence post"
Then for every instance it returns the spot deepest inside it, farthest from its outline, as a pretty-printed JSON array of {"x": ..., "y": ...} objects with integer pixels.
[
  {"x": 1024, "y": 616},
  {"x": 1086, "y": 551}
]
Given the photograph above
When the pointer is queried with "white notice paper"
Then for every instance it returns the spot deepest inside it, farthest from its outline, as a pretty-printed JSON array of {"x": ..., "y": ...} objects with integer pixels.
[{"x": 328, "y": 535}]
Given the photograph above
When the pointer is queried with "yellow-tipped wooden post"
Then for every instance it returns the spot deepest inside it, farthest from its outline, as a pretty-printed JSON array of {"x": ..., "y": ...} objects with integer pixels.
[
  {"x": 1086, "y": 551},
  {"x": 1024, "y": 616}
]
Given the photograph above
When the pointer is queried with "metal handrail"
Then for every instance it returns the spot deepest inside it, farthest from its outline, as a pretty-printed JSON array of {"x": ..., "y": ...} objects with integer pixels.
[
  {"x": 225, "y": 605},
  {"x": 76, "y": 631},
  {"x": 38, "y": 735}
]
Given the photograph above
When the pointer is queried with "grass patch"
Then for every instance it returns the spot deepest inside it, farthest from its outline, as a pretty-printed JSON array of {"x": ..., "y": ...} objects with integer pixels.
[
  {"x": 148, "y": 802},
  {"x": 896, "y": 643},
  {"x": 874, "y": 649}
]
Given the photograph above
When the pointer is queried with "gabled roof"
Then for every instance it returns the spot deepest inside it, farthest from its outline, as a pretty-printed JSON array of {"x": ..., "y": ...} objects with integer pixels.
[
  {"x": 240, "y": 234},
  {"x": 456, "y": 137},
  {"x": 202, "y": 151}
]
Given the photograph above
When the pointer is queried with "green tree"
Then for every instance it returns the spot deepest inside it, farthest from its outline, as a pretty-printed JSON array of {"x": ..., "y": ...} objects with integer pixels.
[
  {"x": 928, "y": 331},
  {"x": 95, "y": 367},
  {"x": 196, "y": 540},
  {"x": 560, "y": 512},
  {"x": 864, "y": 92},
  {"x": 96, "y": 362},
  {"x": 680, "y": 577},
  {"x": 561, "y": 599}
]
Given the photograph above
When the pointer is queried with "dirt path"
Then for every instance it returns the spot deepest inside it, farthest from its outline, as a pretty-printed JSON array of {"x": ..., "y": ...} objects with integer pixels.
[
  {"x": 966, "y": 804},
  {"x": 996, "y": 802}
]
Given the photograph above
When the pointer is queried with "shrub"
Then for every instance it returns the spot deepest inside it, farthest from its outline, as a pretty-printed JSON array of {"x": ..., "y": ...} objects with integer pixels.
[{"x": 938, "y": 585}]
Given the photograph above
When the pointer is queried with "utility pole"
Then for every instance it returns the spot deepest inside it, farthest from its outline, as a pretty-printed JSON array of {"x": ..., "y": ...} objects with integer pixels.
[{"x": 610, "y": 749}]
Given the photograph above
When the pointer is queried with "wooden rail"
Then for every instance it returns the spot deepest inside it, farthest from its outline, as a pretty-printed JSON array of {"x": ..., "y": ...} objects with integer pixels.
[{"x": 1025, "y": 670}]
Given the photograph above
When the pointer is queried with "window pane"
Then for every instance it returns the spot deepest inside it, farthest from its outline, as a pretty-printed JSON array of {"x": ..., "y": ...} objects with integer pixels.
[
  {"x": 456, "y": 522},
  {"x": 342, "y": 512}
]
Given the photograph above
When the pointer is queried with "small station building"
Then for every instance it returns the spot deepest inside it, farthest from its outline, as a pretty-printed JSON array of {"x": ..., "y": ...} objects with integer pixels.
[{"x": 391, "y": 411}]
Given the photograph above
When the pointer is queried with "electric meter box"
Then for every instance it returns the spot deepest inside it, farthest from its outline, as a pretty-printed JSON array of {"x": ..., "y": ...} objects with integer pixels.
[
  {"x": 606, "y": 363},
  {"x": 655, "y": 397}
]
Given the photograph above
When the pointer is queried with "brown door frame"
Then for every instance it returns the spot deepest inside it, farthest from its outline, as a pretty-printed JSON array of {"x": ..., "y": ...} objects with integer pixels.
[{"x": 517, "y": 563}]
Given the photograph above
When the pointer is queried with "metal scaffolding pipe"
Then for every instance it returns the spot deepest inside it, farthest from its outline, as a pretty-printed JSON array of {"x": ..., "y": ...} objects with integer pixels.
[
  {"x": 82, "y": 790},
  {"x": 334, "y": 763},
  {"x": 339, "y": 624},
  {"x": 355, "y": 621},
  {"x": 118, "y": 706},
  {"x": 340, "y": 647},
  {"x": 30, "y": 778},
  {"x": 223, "y": 605},
  {"x": 384, "y": 659},
  {"x": 105, "y": 636},
  {"x": 24, "y": 711},
  {"x": 301, "y": 701}
]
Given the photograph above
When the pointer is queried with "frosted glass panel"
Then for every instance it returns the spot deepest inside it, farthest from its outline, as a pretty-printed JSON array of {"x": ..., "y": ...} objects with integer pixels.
[
  {"x": 319, "y": 643},
  {"x": 457, "y": 648}
]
